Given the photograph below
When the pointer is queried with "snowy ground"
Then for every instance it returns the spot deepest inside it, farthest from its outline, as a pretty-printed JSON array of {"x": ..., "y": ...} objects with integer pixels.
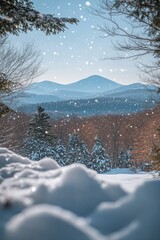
[
  {"x": 128, "y": 180},
  {"x": 40, "y": 200}
]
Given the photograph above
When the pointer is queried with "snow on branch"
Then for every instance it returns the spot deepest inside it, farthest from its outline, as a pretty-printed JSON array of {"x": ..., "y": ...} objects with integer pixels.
[{"x": 20, "y": 16}]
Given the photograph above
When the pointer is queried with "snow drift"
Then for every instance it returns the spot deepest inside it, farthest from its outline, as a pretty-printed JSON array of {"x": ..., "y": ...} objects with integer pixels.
[{"x": 40, "y": 200}]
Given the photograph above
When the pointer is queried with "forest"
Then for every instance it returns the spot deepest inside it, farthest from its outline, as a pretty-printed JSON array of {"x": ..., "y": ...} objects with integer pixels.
[{"x": 136, "y": 133}]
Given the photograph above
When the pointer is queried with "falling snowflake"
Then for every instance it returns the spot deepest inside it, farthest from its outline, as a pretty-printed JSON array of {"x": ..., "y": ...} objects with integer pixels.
[
  {"x": 88, "y": 3},
  {"x": 123, "y": 70}
]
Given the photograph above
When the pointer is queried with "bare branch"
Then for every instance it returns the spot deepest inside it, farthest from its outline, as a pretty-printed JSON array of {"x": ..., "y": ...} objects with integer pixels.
[
  {"x": 140, "y": 37},
  {"x": 18, "y": 67}
]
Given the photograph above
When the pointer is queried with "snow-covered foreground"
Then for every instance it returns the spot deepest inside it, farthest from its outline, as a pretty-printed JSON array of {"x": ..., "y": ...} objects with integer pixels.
[
  {"x": 128, "y": 180},
  {"x": 40, "y": 200}
]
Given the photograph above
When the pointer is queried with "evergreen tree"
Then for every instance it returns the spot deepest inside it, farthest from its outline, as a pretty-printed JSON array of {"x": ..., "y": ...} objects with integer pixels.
[
  {"x": 129, "y": 157},
  {"x": 85, "y": 155},
  {"x": 39, "y": 142},
  {"x": 100, "y": 160},
  {"x": 61, "y": 156},
  {"x": 124, "y": 159},
  {"x": 74, "y": 153},
  {"x": 21, "y": 16}
]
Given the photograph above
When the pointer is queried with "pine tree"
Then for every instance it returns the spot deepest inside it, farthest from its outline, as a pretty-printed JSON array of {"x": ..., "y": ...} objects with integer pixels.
[
  {"x": 121, "y": 159},
  {"x": 100, "y": 160},
  {"x": 129, "y": 157},
  {"x": 124, "y": 159},
  {"x": 21, "y": 16},
  {"x": 85, "y": 155},
  {"x": 39, "y": 142},
  {"x": 74, "y": 153},
  {"x": 77, "y": 151},
  {"x": 61, "y": 156}
]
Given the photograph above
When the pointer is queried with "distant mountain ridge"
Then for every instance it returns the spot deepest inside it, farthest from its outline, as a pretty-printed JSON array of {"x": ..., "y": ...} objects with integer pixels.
[
  {"x": 90, "y": 87},
  {"x": 91, "y": 84},
  {"x": 94, "y": 95},
  {"x": 94, "y": 83}
]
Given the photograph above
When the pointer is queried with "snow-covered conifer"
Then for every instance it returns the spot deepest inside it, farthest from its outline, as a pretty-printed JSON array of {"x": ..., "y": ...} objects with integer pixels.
[
  {"x": 61, "y": 156},
  {"x": 74, "y": 153},
  {"x": 85, "y": 155},
  {"x": 124, "y": 159},
  {"x": 39, "y": 142},
  {"x": 21, "y": 16},
  {"x": 100, "y": 159}
]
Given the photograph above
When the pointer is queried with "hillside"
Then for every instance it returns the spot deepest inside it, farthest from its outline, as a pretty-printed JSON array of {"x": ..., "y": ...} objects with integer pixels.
[
  {"x": 136, "y": 131},
  {"x": 91, "y": 107}
]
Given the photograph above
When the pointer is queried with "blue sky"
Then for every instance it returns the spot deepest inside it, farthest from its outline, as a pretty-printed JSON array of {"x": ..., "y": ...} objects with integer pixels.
[{"x": 79, "y": 51}]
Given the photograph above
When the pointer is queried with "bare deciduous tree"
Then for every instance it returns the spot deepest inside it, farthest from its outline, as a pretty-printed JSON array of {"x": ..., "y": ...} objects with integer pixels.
[
  {"x": 18, "y": 67},
  {"x": 135, "y": 27}
]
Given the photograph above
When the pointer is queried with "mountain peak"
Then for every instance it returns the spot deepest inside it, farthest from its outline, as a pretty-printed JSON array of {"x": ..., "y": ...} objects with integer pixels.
[
  {"x": 94, "y": 83},
  {"x": 91, "y": 84}
]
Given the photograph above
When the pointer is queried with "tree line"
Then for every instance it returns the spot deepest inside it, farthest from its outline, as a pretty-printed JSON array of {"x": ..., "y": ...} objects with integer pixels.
[
  {"x": 136, "y": 132},
  {"x": 40, "y": 142}
]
